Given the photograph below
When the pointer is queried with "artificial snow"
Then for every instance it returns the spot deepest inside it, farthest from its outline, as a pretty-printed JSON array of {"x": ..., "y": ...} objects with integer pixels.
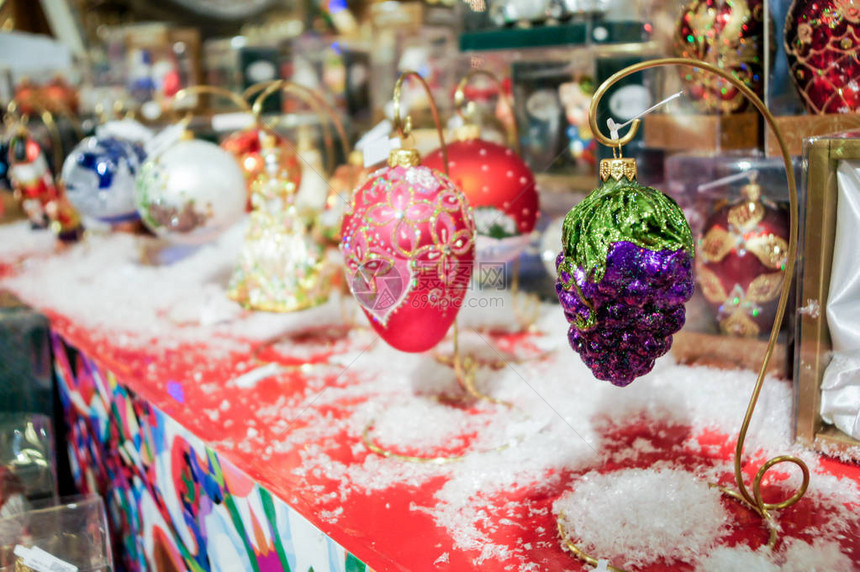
[
  {"x": 636, "y": 517},
  {"x": 562, "y": 429}
]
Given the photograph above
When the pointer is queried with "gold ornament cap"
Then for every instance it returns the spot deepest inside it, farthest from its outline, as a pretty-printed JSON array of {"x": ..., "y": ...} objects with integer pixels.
[
  {"x": 404, "y": 158},
  {"x": 356, "y": 158},
  {"x": 618, "y": 168},
  {"x": 468, "y": 132},
  {"x": 752, "y": 192}
]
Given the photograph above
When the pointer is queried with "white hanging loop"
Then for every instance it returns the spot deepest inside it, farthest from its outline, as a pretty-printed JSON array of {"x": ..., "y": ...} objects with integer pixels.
[{"x": 615, "y": 127}]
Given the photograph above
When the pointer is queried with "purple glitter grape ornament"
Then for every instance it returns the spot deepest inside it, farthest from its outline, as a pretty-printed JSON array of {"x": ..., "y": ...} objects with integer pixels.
[{"x": 624, "y": 274}]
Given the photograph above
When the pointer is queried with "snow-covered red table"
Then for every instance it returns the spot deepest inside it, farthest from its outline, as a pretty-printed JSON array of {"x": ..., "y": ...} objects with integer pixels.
[{"x": 225, "y": 440}]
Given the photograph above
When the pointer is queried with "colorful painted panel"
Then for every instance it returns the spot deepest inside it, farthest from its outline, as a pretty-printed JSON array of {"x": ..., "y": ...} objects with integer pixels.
[{"x": 173, "y": 503}]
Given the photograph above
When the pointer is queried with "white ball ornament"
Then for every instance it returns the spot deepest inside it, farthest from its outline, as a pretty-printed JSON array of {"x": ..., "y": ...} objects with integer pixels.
[
  {"x": 191, "y": 192},
  {"x": 99, "y": 176}
]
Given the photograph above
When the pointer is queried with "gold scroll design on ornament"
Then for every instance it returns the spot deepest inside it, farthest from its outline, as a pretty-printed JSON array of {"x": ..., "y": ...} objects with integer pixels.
[
  {"x": 738, "y": 307},
  {"x": 418, "y": 261},
  {"x": 723, "y": 49},
  {"x": 618, "y": 169},
  {"x": 771, "y": 250}
]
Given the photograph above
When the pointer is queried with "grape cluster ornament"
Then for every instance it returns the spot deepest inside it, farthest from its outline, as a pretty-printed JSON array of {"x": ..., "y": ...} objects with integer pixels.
[{"x": 624, "y": 274}]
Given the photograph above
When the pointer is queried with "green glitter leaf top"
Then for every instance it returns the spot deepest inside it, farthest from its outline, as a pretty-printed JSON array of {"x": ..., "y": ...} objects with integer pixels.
[{"x": 622, "y": 211}]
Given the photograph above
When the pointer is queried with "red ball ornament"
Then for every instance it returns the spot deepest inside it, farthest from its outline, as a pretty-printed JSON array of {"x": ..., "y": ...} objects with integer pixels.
[
  {"x": 408, "y": 244},
  {"x": 729, "y": 35},
  {"x": 247, "y": 146},
  {"x": 500, "y": 188},
  {"x": 740, "y": 263},
  {"x": 822, "y": 38}
]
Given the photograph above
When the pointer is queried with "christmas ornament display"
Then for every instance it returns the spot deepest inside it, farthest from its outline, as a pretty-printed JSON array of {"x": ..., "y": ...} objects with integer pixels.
[
  {"x": 729, "y": 35},
  {"x": 408, "y": 245},
  {"x": 821, "y": 42},
  {"x": 190, "y": 192},
  {"x": 624, "y": 274},
  {"x": 500, "y": 189},
  {"x": 281, "y": 268},
  {"x": 247, "y": 148},
  {"x": 741, "y": 263},
  {"x": 99, "y": 175}
]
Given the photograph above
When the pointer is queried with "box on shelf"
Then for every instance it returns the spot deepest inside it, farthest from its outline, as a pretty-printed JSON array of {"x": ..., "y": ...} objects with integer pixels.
[
  {"x": 828, "y": 159},
  {"x": 674, "y": 132},
  {"x": 69, "y": 536},
  {"x": 27, "y": 462},
  {"x": 738, "y": 276}
]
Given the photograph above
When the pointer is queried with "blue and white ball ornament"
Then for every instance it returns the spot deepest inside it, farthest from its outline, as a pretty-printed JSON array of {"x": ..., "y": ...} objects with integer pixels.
[{"x": 100, "y": 174}]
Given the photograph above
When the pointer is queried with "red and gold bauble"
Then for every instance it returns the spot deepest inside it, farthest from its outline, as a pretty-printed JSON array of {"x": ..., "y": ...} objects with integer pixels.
[
  {"x": 500, "y": 188},
  {"x": 740, "y": 263},
  {"x": 408, "y": 245},
  {"x": 27, "y": 97},
  {"x": 59, "y": 97},
  {"x": 822, "y": 39},
  {"x": 729, "y": 35},
  {"x": 246, "y": 146}
]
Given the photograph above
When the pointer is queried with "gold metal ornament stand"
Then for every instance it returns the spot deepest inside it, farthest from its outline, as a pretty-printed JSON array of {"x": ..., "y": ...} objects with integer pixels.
[
  {"x": 752, "y": 500},
  {"x": 465, "y": 368}
]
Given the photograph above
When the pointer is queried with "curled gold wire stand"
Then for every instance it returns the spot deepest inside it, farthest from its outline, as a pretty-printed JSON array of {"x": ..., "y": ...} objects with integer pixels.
[
  {"x": 314, "y": 101},
  {"x": 465, "y": 369},
  {"x": 754, "y": 500}
]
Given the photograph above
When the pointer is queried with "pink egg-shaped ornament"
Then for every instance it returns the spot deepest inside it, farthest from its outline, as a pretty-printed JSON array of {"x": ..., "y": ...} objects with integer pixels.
[{"x": 409, "y": 248}]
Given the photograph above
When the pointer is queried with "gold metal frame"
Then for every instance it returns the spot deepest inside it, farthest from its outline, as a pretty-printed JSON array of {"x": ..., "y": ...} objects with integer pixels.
[
  {"x": 752, "y": 500},
  {"x": 814, "y": 343}
]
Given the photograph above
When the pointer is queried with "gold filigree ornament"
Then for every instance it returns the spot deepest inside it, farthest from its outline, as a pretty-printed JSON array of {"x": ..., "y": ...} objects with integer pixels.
[
  {"x": 747, "y": 215},
  {"x": 716, "y": 244},
  {"x": 771, "y": 250},
  {"x": 765, "y": 287},
  {"x": 712, "y": 287}
]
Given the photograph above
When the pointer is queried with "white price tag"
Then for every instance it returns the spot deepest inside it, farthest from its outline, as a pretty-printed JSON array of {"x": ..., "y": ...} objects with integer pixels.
[
  {"x": 127, "y": 129},
  {"x": 378, "y": 150},
  {"x": 164, "y": 140},
  {"x": 232, "y": 121},
  {"x": 42, "y": 561},
  {"x": 378, "y": 131}
]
